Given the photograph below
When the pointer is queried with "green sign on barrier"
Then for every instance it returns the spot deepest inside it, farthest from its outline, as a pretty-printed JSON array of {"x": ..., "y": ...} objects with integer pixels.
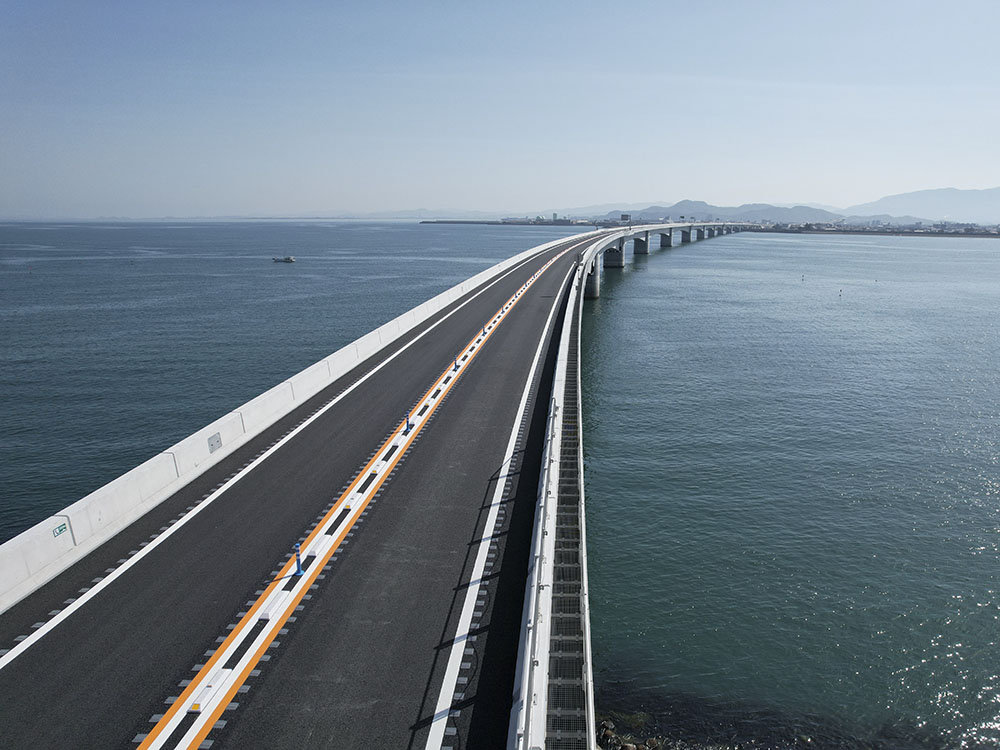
[{"x": 60, "y": 529}]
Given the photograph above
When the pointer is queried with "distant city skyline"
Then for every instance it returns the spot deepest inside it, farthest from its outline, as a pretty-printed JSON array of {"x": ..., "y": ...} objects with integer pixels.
[{"x": 252, "y": 109}]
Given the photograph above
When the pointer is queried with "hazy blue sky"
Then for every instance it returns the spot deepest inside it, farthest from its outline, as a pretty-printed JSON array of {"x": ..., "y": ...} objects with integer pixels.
[{"x": 210, "y": 108}]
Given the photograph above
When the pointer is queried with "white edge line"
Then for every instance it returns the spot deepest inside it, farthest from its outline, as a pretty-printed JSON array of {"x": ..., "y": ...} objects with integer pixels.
[
  {"x": 435, "y": 737},
  {"x": 277, "y": 601},
  {"x": 57, "y": 620}
]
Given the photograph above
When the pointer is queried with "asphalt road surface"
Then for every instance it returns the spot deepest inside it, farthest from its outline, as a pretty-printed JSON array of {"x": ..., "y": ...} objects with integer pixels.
[{"x": 363, "y": 659}]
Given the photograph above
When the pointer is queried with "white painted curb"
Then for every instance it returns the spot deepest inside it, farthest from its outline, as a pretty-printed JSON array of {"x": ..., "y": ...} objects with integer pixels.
[{"x": 37, "y": 555}]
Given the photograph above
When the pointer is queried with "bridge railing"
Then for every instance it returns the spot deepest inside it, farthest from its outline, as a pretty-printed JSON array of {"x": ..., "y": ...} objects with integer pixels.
[
  {"x": 40, "y": 553},
  {"x": 553, "y": 702}
]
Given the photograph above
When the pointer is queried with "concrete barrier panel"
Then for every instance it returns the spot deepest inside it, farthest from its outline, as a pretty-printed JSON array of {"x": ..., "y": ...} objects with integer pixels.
[
  {"x": 261, "y": 412},
  {"x": 310, "y": 381},
  {"x": 342, "y": 361},
  {"x": 222, "y": 435},
  {"x": 153, "y": 476},
  {"x": 100, "y": 510},
  {"x": 44, "y": 543},
  {"x": 367, "y": 345},
  {"x": 13, "y": 567},
  {"x": 105, "y": 508},
  {"x": 32, "y": 558}
]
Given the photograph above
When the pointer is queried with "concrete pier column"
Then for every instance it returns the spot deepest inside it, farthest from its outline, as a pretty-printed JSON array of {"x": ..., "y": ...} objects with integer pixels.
[
  {"x": 700, "y": 233},
  {"x": 640, "y": 245},
  {"x": 667, "y": 239},
  {"x": 592, "y": 284},
  {"x": 685, "y": 236},
  {"x": 614, "y": 257},
  {"x": 711, "y": 232}
]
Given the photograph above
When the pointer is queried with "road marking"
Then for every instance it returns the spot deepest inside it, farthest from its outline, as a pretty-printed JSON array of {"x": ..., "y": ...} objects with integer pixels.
[
  {"x": 278, "y": 603},
  {"x": 88, "y": 594},
  {"x": 449, "y": 684}
]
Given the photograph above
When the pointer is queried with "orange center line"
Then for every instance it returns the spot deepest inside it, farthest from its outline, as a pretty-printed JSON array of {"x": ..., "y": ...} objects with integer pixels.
[{"x": 238, "y": 632}]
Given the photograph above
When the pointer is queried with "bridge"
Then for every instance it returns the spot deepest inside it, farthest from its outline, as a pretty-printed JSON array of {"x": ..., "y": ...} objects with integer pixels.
[{"x": 385, "y": 550}]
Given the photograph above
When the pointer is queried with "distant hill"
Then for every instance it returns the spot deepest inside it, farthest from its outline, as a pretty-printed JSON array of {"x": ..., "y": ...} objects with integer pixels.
[
  {"x": 701, "y": 211},
  {"x": 944, "y": 204}
]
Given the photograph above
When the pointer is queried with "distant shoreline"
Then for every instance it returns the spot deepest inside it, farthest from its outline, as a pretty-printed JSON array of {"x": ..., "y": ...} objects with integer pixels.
[
  {"x": 887, "y": 232},
  {"x": 515, "y": 223}
]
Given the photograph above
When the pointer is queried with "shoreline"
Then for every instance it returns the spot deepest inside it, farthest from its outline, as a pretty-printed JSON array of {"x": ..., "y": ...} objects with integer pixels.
[
  {"x": 875, "y": 232},
  {"x": 763, "y": 230}
]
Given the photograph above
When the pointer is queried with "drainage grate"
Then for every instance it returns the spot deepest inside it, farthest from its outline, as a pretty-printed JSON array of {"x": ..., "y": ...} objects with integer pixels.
[
  {"x": 566, "y": 695},
  {"x": 567, "y": 723},
  {"x": 562, "y": 667},
  {"x": 566, "y": 719},
  {"x": 566, "y": 626}
]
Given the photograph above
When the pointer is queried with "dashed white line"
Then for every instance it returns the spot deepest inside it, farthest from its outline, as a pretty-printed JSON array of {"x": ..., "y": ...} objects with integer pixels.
[
  {"x": 449, "y": 685},
  {"x": 89, "y": 593}
]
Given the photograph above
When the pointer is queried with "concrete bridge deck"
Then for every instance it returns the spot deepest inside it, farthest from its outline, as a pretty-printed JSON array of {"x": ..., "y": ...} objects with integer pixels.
[{"x": 191, "y": 626}]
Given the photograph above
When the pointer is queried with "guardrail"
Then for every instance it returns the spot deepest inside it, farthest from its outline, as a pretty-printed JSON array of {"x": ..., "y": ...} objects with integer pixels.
[
  {"x": 553, "y": 702},
  {"x": 40, "y": 553},
  {"x": 553, "y": 692}
]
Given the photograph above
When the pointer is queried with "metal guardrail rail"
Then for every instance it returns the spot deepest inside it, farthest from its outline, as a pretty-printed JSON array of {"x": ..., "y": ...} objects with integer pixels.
[
  {"x": 553, "y": 699},
  {"x": 553, "y": 706},
  {"x": 569, "y": 720}
]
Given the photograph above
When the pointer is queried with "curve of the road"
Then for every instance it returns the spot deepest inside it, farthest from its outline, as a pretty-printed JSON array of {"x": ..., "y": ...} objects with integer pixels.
[{"x": 409, "y": 485}]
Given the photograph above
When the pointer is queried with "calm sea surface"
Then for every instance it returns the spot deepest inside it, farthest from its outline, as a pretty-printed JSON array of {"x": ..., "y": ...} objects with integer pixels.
[
  {"x": 791, "y": 442},
  {"x": 793, "y": 495},
  {"x": 120, "y": 339}
]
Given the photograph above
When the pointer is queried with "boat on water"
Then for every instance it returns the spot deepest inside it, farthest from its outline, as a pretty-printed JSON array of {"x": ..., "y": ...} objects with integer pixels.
[{"x": 286, "y": 259}]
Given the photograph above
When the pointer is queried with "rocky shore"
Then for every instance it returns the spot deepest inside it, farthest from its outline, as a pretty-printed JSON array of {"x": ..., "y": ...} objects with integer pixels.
[{"x": 608, "y": 739}]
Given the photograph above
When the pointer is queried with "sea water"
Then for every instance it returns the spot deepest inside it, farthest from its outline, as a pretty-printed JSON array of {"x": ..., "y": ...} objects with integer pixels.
[
  {"x": 119, "y": 339},
  {"x": 791, "y": 442},
  {"x": 793, "y": 501}
]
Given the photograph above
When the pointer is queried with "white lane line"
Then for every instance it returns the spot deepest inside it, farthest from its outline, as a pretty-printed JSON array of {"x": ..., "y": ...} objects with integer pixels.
[
  {"x": 449, "y": 685},
  {"x": 57, "y": 620},
  {"x": 274, "y": 607}
]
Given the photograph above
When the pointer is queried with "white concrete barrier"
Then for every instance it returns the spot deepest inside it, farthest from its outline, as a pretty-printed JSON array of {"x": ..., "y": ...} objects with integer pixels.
[
  {"x": 528, "y": 728},
  {"x": 194, "y": 451},
  {"x": 310, "y": 381},
  {"x": 40, "y": 542},
  {"x": 37, "y": 555},
  {"x": 267, "y": 408}
]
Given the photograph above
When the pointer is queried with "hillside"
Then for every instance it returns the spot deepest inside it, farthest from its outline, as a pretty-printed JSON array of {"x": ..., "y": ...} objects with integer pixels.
[{"x": 944, "y": 204}]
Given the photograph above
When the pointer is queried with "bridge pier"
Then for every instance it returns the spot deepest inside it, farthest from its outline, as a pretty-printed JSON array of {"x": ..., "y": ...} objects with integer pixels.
[
  {"x": 699, "y": 233},
  {"x": 640, "y": 245},
  {"x": 711, "y": 232},
  {"x": 685, "y": 236},
  {"x": 614, "y": 257},
  {"x": 592, "y": 284},
  {"x": 667, "y": 239}
]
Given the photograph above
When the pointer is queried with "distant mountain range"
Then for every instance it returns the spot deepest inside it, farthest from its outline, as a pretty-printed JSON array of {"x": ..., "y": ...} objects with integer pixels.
[
  {"x": 747, "y": 212},
  {"x": 944, "y": 204},
  {"x": 928, "y": 206}
]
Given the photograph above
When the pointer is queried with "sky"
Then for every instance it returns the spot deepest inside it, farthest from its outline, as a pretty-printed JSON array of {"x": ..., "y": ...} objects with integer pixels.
[{"x": 248, "y": 108}]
